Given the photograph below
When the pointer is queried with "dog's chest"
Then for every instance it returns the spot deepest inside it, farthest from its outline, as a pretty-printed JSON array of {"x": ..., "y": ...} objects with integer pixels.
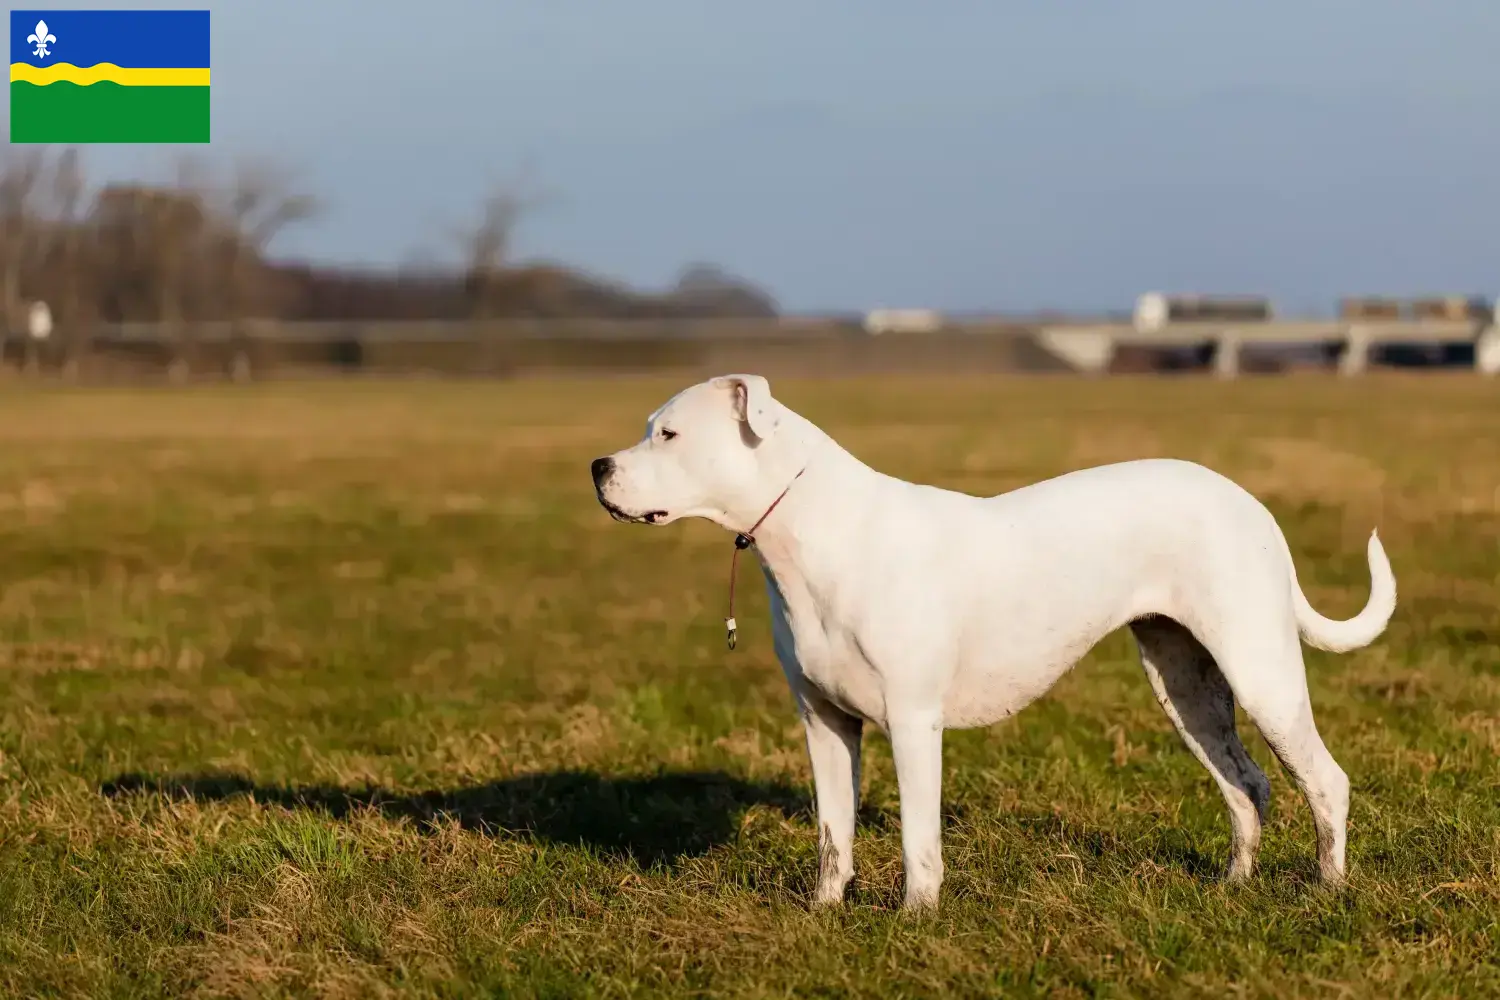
[{"x": 815, "y": 648}]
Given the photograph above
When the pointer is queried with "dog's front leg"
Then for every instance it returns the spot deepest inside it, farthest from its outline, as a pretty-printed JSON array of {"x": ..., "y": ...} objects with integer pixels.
[
  {"x": 833, "y": 745},
  {"x": 917, "y": 745}
]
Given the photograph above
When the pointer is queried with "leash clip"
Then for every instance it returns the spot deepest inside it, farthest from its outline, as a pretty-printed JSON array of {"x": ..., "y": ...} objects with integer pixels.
[{"x": 741, "y": 543}]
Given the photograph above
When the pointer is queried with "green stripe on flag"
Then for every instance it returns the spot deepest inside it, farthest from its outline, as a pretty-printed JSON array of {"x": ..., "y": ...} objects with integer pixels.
[{"x": 107, "y": 112}]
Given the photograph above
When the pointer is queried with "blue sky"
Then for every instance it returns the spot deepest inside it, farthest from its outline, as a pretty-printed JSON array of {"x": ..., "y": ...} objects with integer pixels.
[{"x": 962, "y": 155}]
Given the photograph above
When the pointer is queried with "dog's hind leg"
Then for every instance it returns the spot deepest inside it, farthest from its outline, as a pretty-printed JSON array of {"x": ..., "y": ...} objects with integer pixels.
[
  {"x": 1267, "y": 674},
  {"x": 1198, "y": 700}
]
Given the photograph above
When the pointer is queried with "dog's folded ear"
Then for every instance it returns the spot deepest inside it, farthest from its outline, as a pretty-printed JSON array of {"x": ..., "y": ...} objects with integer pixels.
[{"x": 752, "y": 402}]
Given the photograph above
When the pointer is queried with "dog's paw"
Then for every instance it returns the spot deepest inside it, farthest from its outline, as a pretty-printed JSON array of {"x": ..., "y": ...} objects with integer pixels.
[
  {"x": 920, "y": 904},
  {"x": 829, "y": 896}
]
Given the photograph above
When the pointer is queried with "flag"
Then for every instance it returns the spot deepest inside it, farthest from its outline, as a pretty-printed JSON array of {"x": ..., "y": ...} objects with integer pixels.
[{"x": 89, "y": 76}]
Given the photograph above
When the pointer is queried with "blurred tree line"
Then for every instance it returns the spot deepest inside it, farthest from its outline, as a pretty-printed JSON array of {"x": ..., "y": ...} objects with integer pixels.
[{"x": 196, "y": 250}]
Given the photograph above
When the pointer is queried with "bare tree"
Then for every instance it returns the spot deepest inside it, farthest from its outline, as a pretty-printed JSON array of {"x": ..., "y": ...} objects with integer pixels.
[
  {"x": 66, "y": 256},
  {"x": 22, "y": 176},
  {"x": 194, "y": 250},
  {"x": 42, "y": 197},
  {"x": 487, "y": 243},
  {"x": 151, "y": 242},
  {"x": 259, "y": 201}
]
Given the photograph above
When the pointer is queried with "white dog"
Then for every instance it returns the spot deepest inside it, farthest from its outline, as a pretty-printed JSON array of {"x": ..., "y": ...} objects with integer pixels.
[{"x": 919, "y": 609}]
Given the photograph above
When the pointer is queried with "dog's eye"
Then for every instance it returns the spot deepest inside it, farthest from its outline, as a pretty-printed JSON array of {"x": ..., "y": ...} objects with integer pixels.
[{"x": 667, "y": 435}]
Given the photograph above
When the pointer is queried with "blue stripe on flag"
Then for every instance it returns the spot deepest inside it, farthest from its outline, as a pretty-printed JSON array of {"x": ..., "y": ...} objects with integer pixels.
[{"x": 134, "y": 39}]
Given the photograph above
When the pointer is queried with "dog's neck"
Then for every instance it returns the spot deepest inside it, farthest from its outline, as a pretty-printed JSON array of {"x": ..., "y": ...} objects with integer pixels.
[
  {"x": 798, "y": 445},
  {"x": 802, "y": 471}
]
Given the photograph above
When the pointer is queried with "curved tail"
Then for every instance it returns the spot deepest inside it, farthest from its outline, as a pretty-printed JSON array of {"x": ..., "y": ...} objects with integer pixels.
[{"x": 1363, "y": 628}]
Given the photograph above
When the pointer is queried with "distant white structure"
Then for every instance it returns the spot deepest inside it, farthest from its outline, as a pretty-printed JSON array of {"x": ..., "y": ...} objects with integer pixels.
[
  {"x": 1151, "y": 312},
  {"x": 1155, "y": 310},
  {"x": 1487, "y": 345},
  {"x": 39, "y": 321},
  {"x": 878, "y": 321}
]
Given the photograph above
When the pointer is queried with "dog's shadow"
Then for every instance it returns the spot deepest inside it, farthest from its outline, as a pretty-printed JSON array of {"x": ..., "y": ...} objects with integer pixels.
[{"x": 651, "y": 819}]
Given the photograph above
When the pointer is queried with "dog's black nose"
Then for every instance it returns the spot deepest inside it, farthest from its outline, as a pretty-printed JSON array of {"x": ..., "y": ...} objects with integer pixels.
[{"x": 601, "y": 468}]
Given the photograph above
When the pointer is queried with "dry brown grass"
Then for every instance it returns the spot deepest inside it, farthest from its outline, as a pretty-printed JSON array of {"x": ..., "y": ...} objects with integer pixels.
[{"x": 350, "y": 690}]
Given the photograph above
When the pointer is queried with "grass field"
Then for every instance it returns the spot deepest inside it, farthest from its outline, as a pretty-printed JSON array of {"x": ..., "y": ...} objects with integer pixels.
[{"x": 354, "y": 691}]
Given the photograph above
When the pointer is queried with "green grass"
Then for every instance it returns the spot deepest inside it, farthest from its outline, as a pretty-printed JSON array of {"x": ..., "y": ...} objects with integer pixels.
[
  {"x": 106, "y": 112},
  {"x": 353, "y": 691}
]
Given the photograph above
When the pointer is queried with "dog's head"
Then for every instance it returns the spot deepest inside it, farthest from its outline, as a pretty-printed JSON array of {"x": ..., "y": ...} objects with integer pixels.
[{"x": 704, "y": 455}]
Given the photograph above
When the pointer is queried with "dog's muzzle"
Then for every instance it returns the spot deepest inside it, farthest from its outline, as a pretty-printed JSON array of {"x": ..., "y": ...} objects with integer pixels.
[{"x": 602, "y": 469}]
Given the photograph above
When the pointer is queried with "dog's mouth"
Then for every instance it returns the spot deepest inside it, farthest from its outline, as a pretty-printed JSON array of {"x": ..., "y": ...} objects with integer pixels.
[{"x": 649, "y": 517}]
